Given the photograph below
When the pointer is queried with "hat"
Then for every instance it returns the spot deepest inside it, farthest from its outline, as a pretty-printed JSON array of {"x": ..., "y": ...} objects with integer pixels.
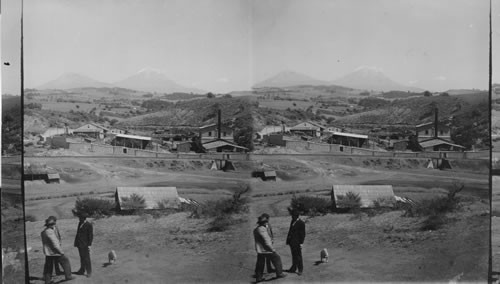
[
  {"x": 83, "y": 215},
  {"x": 265, "y": 215},
  {"x": 262, "y": 219},
  {"x": 294, "y": 212},
  {"x": 50, "y": 221}
]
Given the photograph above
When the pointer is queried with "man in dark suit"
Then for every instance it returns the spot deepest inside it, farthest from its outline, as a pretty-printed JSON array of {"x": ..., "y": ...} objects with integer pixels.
[
  {"x": 83, "y": 241},
  {"x": 295, "y": 239}
]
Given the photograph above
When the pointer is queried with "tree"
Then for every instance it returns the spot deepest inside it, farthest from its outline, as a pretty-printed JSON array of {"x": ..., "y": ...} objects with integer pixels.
[
  {"x": 427, "y": 94},
  {"x": 210, "y": 95}
]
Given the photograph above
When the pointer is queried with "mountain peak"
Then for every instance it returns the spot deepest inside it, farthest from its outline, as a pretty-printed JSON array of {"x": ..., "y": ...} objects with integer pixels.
[
  {"x": 371, "y": 78},
  {"x": 72, "y": 80}
]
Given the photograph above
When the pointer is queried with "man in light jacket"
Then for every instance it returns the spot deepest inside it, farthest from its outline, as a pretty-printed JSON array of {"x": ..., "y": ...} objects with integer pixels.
[
  {"x": 264, "y": 249},
  {"x": 53, "y": 251}
]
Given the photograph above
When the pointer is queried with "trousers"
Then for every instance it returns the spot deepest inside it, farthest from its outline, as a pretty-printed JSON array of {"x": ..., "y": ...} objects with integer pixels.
[
  {"x": 85, "y": 265},
  {"x": 261, "y": 261},
  {"x": 50, "y": 261},
  {"x": 296, "y": 258}
]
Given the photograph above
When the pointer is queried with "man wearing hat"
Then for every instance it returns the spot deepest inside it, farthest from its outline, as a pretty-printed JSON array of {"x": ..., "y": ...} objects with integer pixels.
[
  {"x": 53, "y": 251},
  {"x": 264, "y": 249},
  {"x": 83, "y": 241},
  {"x": 295, "y": 239},
  {"x": 269, "y": 265}
]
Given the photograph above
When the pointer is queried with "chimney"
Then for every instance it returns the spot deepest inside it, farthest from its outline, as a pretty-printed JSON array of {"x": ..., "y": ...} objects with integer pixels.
[
  {"x": 436, "y": 123},
  {"x": 219, "y": 124}
]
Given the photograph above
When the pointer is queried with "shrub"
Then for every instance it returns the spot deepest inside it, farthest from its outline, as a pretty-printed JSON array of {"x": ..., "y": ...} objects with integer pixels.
[
  {"x": 93, "y": 207},
  {"x": 384, "y": 202},
  {"x": 134, "y": 201},
  {"x": 220, "y": 223},
  {"x": 227, "y": 206},
  {"x": 433, "y": 222},
  {"x": 436, "y": 206},
  {"x": 310, "y": 205},
  {"x": 164, "y": 204},
  {"x": 30, "y": 218},
  {"x": 350, "y": 200}
]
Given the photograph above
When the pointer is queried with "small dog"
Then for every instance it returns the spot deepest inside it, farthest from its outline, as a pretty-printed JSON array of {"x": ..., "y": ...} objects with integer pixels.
[
  {"x": 112, "y": 256},
  {"x": 324, "y": 255}
]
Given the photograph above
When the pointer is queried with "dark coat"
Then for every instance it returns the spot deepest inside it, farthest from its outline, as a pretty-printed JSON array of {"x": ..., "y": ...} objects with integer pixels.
[
  {"x": 296, "y": 233},
  {"x": 84, "y": 235}
]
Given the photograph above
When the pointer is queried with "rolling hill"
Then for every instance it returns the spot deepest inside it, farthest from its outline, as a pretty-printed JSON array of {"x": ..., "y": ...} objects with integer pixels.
[
  {"x": 289, "y": 79},
  {"x": 73, "y": 81},
  {"x": 150, "y": 80},
  {"x": 146, "y": 80}
]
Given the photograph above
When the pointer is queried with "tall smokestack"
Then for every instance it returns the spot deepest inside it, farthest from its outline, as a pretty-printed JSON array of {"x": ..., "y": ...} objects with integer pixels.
[
  {"x": 219, "y": 122},
  {"x": 435, "y": 122}
]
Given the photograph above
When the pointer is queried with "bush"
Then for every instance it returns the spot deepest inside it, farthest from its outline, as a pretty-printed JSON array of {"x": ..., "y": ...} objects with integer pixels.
[
  {"x": 436, "y": 206},
  {"x": 433, "y": 223},
  {"x": 350, "y": 200},
  {"x": 134, "y": 201},
  {"x": 216, "y": 208},
  {"x": 384, "y": 202},
  {"x": 30, "y": 218},
  {"x": 164, "y": 204},
  {"x": 93, "y": 207},
  {"x": 222, "y": 210},
  {"x": 310, "y": 205}
]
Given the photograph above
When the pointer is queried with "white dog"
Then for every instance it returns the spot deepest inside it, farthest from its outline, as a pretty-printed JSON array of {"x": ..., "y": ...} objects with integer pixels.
[
  {"x": 112, "y": 256},
  {"x": 324, "y": 255}
]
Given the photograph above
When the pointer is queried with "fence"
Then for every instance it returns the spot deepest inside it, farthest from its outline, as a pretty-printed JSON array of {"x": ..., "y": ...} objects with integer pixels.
[
  {"x": 311, "y": 147},
  {"x": 307, "y": 148}
]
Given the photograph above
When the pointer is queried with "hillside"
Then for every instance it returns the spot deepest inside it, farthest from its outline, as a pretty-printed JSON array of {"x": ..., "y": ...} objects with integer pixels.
[
  {"x": 467, "y": 114},
  {"x": 193, "y": 112},
  {"x": 11, "y": 125},
  {"x": 371, "y": 78},
  {"x": 288, "y": 79}
]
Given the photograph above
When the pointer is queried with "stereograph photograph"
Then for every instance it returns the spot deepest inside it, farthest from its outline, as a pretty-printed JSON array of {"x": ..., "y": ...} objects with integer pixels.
[
  {"x": 240, "y": 141},
  {"x": 495, "y": 151}
]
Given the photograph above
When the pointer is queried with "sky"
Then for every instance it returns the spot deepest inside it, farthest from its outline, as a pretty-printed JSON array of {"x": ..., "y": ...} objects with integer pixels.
[
  {"x": 228, "y": 45},
  {"x": 495, "y": 34}
]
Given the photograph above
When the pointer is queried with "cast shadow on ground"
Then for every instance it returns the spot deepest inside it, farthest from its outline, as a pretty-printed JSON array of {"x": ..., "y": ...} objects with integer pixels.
[
  {"x": 318, "y": 262},
  {"x": 106, "y": 264},
  {"x": 34, "y": 278}
]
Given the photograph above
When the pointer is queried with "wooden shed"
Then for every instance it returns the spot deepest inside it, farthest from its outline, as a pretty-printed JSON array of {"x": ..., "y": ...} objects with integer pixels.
[
  {"x": 167, "y": 196},
  {"x": 367, "y": 193}
]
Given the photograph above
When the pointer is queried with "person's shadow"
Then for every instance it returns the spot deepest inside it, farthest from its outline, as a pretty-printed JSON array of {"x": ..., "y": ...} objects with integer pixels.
[{"x": 106, "y": 264}]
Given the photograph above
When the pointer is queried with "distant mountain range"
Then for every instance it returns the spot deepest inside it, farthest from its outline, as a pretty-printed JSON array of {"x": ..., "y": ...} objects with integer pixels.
[
  {"x": 363, "y": 78},
  {"x": 146, "y": 80},
  {"x": 369, "y": 78},
  {"x": 289, "y": 79}
]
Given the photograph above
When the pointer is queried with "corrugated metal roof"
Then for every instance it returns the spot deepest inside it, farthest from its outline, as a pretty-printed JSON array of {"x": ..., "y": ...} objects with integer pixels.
[
  {"x": 134, "y": 137},
  {"x": 435, "y": 142},
  {"x": 367, "y": 193},
  {"x": 298, "y": 128},
  {"x": 152, "y": 195},
  {"x": 89, "y": 130},
  {"x": 270, "y": 173},
  {"x": 350, "y": 135},
  {"x": 53, "y": 176},
  {"x": 220, "y": 143}
]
